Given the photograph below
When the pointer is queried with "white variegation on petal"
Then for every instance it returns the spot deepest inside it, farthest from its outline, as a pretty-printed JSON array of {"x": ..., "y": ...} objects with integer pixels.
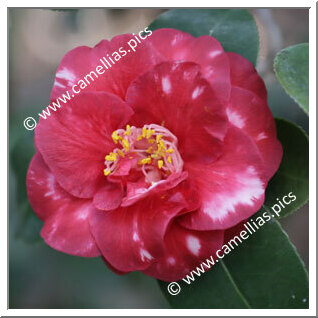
[{"x": 249, "y": 189}]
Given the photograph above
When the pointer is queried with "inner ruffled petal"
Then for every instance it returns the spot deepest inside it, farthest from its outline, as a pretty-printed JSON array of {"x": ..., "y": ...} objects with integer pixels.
[{"x": 144, "y": 159}]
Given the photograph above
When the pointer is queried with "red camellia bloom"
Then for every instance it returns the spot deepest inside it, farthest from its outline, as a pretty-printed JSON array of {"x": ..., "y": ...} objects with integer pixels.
[{"x": 156, "y": 159}]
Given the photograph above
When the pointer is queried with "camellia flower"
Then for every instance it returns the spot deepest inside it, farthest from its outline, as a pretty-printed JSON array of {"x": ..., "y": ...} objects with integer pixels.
[{"x": 154, "y": 162}]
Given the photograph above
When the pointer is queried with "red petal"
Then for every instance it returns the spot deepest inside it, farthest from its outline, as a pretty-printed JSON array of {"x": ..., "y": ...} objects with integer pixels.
[
  {"x": 244, "y": 75},
  {"x": 81, "y": 61},
  {"x": 75, "y": 140},
  {"x": 109, "y": 197},
  {"x": 66, "y": 227},
  {"x": 177, "y": 96},
  {"x": 175, "y": 45},
  {"x": 139, "y": 190},
  {"x": 131, "y": 238},
  {"x": 231, "y": 188},
  {"x": 251, "y": 114},
  {"x": 184, "y": 251},
  {"x": 234, "y": 231}
]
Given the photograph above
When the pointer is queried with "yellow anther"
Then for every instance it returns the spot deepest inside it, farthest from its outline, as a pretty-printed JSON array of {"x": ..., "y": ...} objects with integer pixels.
[
  {"x": 149, "y": 150},
  {"x": 116, "y": 137},
  {"x": 158, "y": 137},
  {"x": 111, "y": 157},
  {"x": 162, "y": 144},
  {"x": 170, "y": 150},
  {"x": 169, "y": 159},
  {"x": 149, "y": 133},
  {"x": 139, "y": 138},
  {"x": 120, "y": 153},
  {"x": 151, "y": 141},
  {"x": 128, "y": 130},
  {"x": 125, "y": 144},
  {"x": 160, "y": 164},
  {"x": 106, "y": 172},
  {"x": 145, "y": 161},
  {"x": 144, "y": 132}
]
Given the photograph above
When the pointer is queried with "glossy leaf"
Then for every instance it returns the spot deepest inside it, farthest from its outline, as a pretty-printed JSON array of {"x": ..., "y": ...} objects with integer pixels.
[
  {"x": 293, "y": 173},
  {"x": 234, "y": 28},
  {"x": 283, "y": 106},
  {"x": 263, "y": 272},
  {"x": 291, "y": 66}
]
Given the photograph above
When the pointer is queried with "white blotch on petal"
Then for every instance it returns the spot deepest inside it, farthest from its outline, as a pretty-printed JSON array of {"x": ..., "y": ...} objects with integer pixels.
[
  {"x": 174, "y": 41},
  {"x": 135, "y": 237},
  {"x": 166, "y": 85},
  {"x": 82, "y": 213},
  {"x": 261, "y": 136},
  {"x": 171, "y": 260},
  {"x": 236, "y": 119},
  {"x": 246, "y": 188},
  {"x": 197, "y": 91},
  {"x": 50, "y": 185},
  {"x": 208, "y": 71},
  {"x": 145, "y": 254},
  {"x": 66, "y": 74},
  {"x": 187, "y": 75},
  {"x": 193, "y": 244},
  {"x": 48, "y": 193},
  {"x": 213, "y": 54},
  {"x": 175, "y": 66}
]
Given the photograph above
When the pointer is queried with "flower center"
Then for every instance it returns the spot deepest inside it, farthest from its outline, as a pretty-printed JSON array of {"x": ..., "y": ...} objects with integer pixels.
[{"x": 154, "y": 146}]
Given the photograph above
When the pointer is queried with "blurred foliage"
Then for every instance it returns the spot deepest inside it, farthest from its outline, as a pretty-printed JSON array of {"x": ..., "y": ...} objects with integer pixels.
[{"x": 291, "y": 66}]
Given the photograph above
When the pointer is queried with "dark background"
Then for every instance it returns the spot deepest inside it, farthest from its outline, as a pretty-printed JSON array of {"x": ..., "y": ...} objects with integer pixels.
[{"x": 40, "y": 277}]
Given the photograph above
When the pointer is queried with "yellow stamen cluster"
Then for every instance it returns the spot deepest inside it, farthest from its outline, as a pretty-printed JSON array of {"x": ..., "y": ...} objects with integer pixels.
[
  {"x": 125, "y": 144},
  {"x": 145, "y": 161},
  {"x": 112, "y": 156},
  {"x": 146, "y": 133},
  {"x": 158, "y": 152},
  {"x": 128, "y": 130},
  {"x": 116, "y": 138}
]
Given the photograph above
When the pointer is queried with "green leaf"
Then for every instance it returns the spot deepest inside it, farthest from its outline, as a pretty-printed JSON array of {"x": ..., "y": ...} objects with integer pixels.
[
  {"x": 235, "y": 29},
  {"x": 291, "y": 66},
  {"x": 264, "y": 271},
  {"x": 283, "y": 106},
  {"x": 293, "y": 173}
]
